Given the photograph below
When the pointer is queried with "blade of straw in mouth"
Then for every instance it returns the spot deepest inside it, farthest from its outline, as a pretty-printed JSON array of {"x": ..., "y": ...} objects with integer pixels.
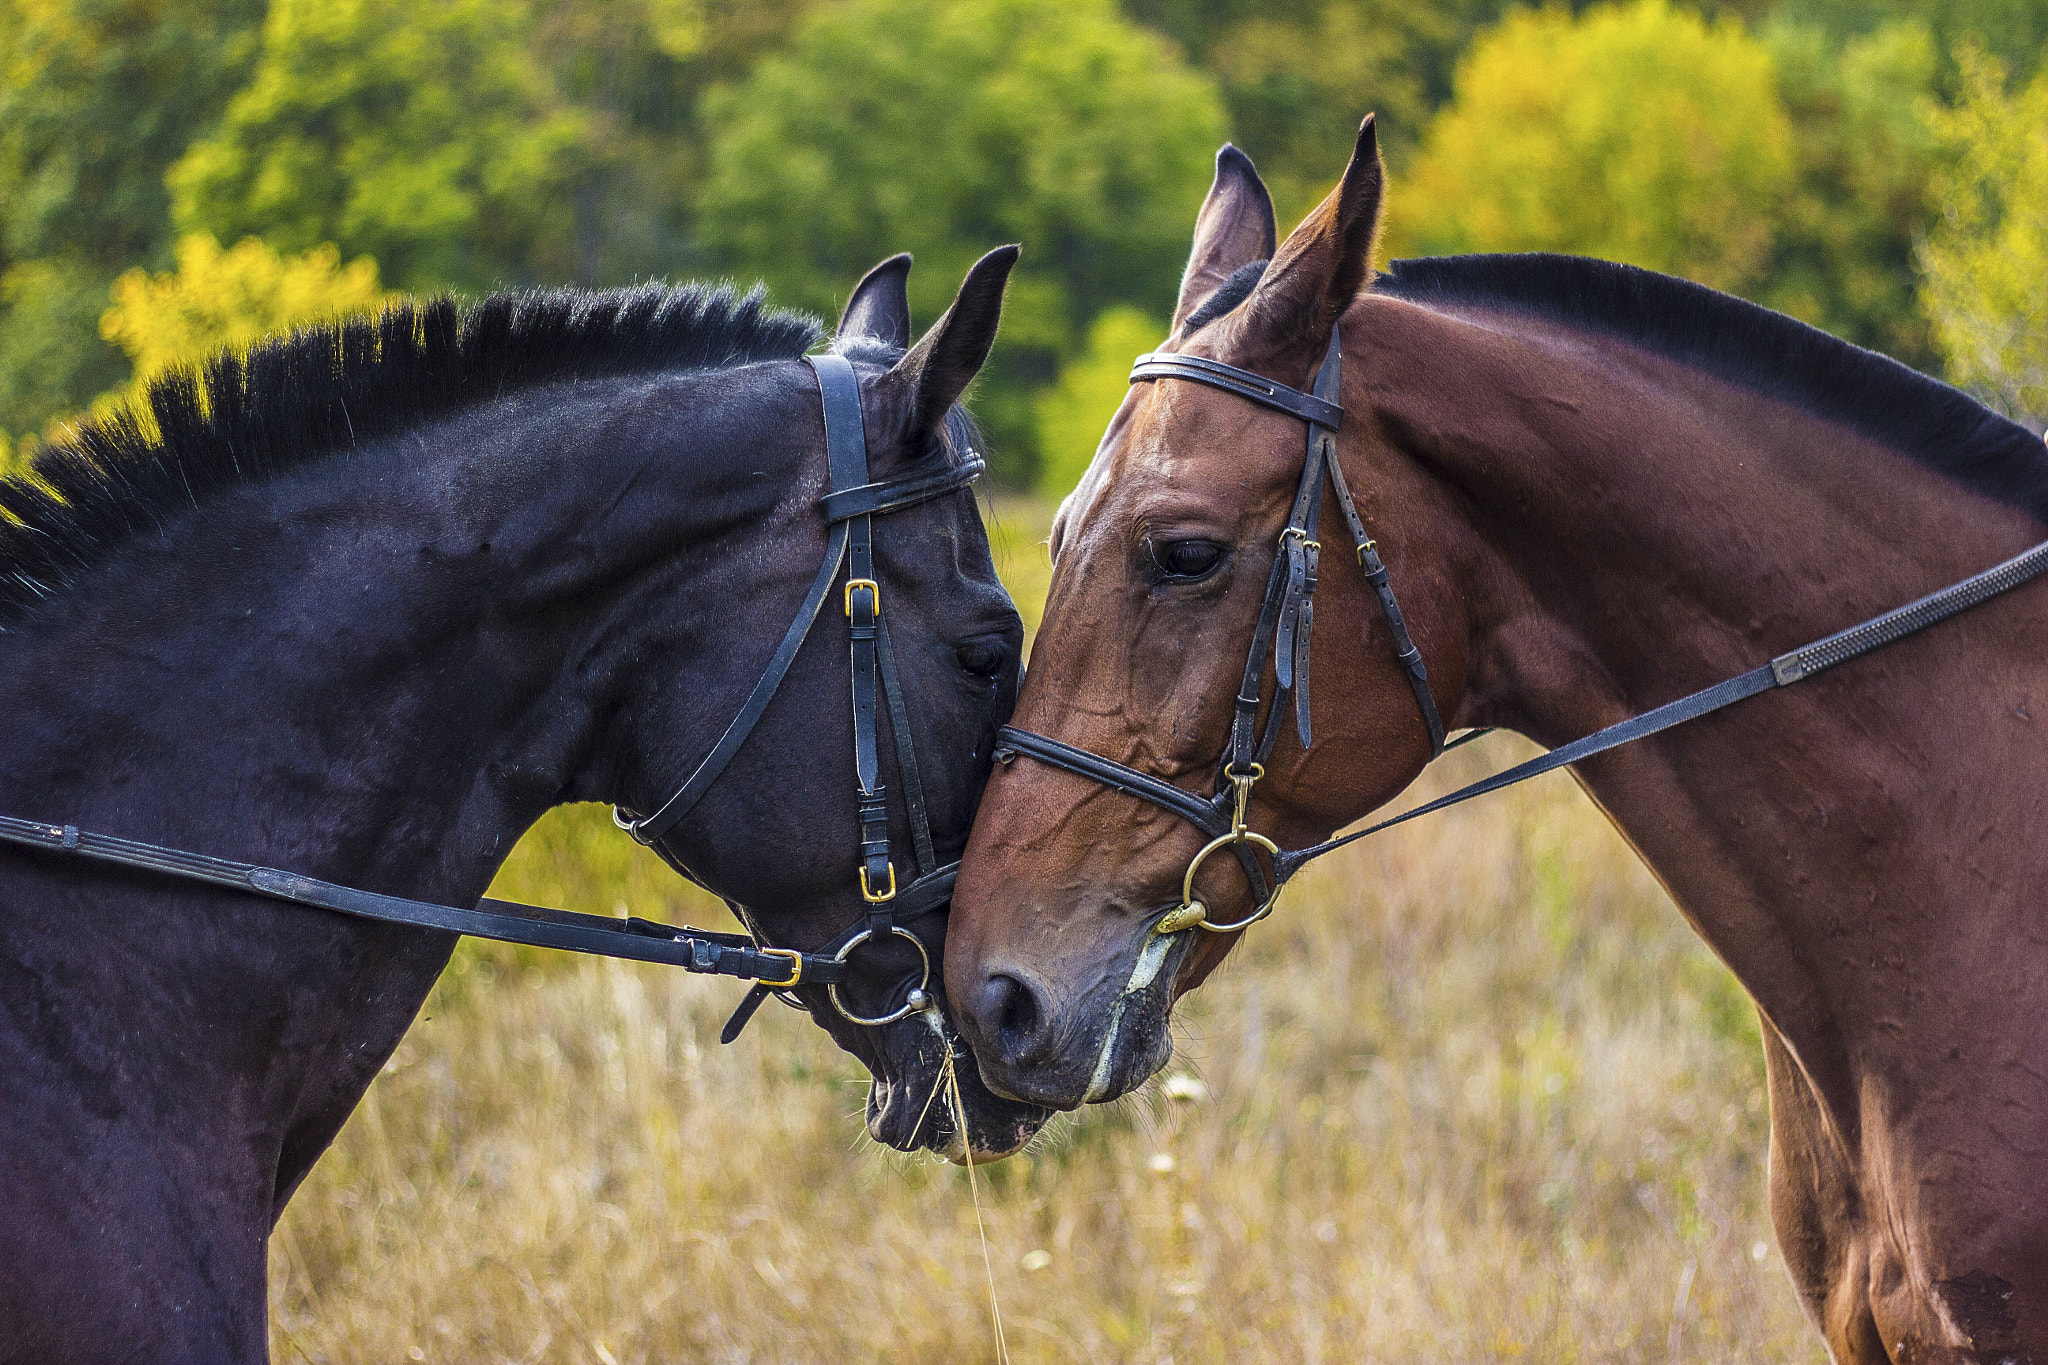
[
  {"x": 949, "y": 1080},
  {"x": 995, "y": 1308}
]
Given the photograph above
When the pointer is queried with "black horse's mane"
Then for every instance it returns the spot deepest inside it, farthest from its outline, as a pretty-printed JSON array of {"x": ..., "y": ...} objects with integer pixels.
[
  {"x": 296, "y": 399},
  {"x": 1924, "y": 419}
]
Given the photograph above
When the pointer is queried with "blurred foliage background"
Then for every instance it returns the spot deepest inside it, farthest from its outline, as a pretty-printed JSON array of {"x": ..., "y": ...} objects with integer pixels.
[
  {"x": 1876, "y": 167},
  {"x": 1480, "y": 1094}
]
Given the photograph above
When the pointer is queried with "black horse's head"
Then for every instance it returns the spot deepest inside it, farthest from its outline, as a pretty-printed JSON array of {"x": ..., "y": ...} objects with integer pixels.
[
  {"x": 776, "y": 832},
  {"x": 490, "y": 560}
]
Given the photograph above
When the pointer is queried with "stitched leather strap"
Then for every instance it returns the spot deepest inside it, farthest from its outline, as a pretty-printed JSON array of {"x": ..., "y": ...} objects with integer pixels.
[
  {"x": 906, "y": 755},
  {"x": 650, "y": 829},
  {"x": 1198, "y": 811},
  {"x": 1406, "y": 653},
  {"x": 893, "y": 495},
  {"x": 695, "y": 950},
  {"x": 846, "y": 452},
  {"x": 1245, "y": 384}
]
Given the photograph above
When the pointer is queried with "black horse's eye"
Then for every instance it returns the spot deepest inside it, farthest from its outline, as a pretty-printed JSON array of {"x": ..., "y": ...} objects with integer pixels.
[
  {"x": 1187, "y": 559},
  {"x": 982, "y": 658}
]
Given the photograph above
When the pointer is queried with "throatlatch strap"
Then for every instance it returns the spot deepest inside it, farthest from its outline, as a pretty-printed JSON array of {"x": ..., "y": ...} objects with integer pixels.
[{"x": 651, "y": 828}]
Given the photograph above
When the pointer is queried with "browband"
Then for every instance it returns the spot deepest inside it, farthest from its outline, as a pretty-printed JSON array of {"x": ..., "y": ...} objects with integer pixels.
[
  {"x": 1243, "y": 383},
  {"x": 893, "y": 495}
]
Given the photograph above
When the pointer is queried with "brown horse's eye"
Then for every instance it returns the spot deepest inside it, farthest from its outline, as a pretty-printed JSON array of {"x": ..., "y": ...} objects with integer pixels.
[{"x": 1187, "y": 559}]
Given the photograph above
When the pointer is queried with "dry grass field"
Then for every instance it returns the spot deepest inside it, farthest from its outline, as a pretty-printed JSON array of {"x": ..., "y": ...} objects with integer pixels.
[{"x": 1474, "y": 1093}]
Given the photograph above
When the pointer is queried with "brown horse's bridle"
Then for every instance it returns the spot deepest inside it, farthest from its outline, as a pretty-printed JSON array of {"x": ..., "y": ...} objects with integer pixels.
[{"x": 1283, "y": 626}]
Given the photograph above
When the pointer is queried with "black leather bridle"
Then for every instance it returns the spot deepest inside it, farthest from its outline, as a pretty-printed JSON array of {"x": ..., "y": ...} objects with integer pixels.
[
  {"x": 1285, "y": 617},
  {"x": 849, "y": 506}
]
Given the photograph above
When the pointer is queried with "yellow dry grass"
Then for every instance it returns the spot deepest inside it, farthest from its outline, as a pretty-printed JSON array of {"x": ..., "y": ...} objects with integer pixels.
[{"x": 1475, "y": 1093}]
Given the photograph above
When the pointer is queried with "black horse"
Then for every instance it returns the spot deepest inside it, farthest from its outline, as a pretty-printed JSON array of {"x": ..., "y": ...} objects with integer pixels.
[{"x": 363, "y": 606}]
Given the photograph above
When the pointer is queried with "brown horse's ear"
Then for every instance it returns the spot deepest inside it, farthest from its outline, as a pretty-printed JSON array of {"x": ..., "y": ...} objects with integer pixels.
[
  {"x": 1234, "y": 228},
  {"x": 1323, "y": 265},
  {"x": 925, "y": 384},
  {"x": 879, "y": 308}
]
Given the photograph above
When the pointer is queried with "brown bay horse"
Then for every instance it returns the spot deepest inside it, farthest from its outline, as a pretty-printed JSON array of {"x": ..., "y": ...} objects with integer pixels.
[{"x": 1596, "y": 490}]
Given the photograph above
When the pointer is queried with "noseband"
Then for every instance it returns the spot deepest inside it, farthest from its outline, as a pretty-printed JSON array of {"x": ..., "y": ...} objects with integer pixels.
[
  {"x": 850, "y": 504},
  {"x": 1283, "y": 629}
]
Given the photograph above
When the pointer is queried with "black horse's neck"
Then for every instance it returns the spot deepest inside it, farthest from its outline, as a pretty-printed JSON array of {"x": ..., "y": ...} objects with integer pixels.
[
  {"x": 386, "y": 660},
  {"x": 379, "y": 668}
]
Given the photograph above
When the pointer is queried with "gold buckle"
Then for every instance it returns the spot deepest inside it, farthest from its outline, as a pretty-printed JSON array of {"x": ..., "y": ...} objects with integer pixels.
[
  {"x": 1371, "y": 545},
  {"x": 872, "y": 586},
  {"x": 870, "y": 897},
  {"x": 796, "y": 966},
  {"x": 1243, "y": 782}
]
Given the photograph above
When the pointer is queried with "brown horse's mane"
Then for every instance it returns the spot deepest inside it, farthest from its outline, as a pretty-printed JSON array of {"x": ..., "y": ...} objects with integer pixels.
[
  {"x": 1764, "y": 351},
  {"x": 296, "y": 399},
  {"x": 1731, "y": 339}
]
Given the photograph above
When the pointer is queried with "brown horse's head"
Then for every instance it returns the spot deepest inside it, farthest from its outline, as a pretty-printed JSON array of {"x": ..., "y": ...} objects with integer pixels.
[{"x": 1161, "y": 558}]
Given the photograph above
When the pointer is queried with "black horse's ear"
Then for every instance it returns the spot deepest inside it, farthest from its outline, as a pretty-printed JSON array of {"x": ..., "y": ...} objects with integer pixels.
[
  {"x": 1234, "y": 228},
  {"x": 879, "y": 308},
  {"x": 1323, "y": 265},
  {"x": 928, "y": 381}
]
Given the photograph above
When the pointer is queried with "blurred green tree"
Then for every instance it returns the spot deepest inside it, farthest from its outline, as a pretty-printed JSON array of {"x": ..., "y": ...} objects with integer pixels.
[
  {"x": 97, "y": 99},
  {"x": 2014, "y": 30},
  {"x": 1842, "y": 255},
  {"x": 1636, "y": 133},
  {"x": 218, "y": 299},
  {"x": 1985, "y": 287},
  {"x": 51, "y": 357},
  {"x": 1297, "y": 75},
  {"x": 946, "y": 127},
  {"x": 636, "y": 70},
  {"x": 1073, "y": 413},
  {"x": 423, "y": 132}
]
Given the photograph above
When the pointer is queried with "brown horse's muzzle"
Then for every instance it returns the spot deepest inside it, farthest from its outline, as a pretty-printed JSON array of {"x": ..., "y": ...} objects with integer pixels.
[{"x": 1089, "y": 1028}]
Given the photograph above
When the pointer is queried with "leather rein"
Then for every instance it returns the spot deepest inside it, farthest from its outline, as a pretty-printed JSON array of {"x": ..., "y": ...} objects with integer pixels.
[
  {"x": 1281, "y": 639},
  {"x": 849, "y": 506}
]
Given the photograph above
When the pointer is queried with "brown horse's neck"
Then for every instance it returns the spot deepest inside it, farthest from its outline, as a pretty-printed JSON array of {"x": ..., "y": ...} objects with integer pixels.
[{"x": 1637, "y": 530}]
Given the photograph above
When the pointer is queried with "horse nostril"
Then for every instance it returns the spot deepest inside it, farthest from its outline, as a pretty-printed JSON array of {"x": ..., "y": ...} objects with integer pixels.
[{"x": 1011, "y": 1018}]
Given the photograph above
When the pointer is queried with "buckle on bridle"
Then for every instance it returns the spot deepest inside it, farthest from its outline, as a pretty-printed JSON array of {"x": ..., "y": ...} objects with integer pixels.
[
  {"x": 796, "y": 967},
  {"x": 877, "y": 898},
  {"x": 1242, "y": 781},
  {"x": 1191, "y": 913},
  {"x": 872, "y": 586}
]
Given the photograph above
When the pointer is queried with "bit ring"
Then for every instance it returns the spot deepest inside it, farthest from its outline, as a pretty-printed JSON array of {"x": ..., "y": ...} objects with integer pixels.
[{"x": 908, "y": 1009}]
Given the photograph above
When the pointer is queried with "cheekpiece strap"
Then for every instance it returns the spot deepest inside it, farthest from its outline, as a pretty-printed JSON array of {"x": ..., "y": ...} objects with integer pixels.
[{"x": 846, "y": 452}]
